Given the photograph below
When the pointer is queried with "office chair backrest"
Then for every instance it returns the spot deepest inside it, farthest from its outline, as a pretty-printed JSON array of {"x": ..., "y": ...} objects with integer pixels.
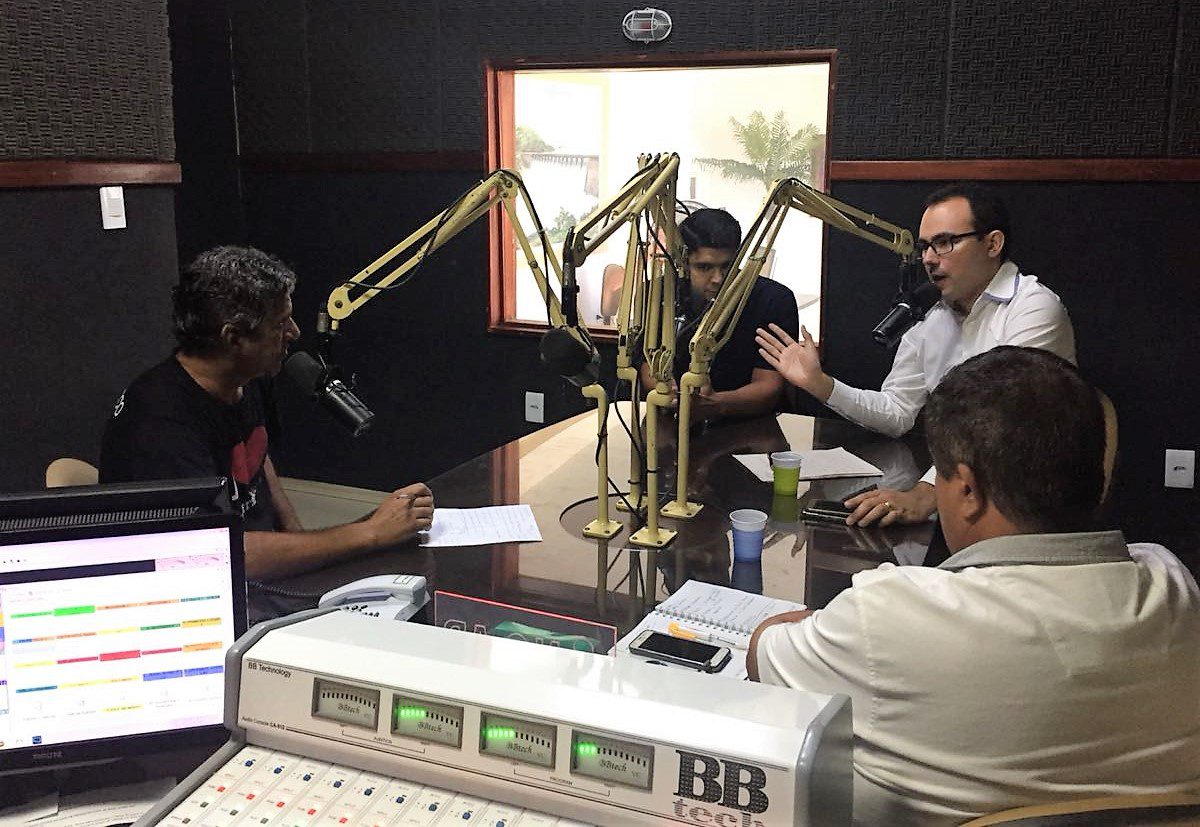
[
  {"x": 70, "y": 471},
  {"x": 1124, "y": 810}
]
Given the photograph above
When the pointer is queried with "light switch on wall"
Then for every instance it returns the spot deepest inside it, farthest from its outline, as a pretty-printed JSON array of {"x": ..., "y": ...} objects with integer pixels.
[
  {"x": 112, "y": 208},
  {"x": 535, "y": 407},
  {"x": 1181, "y": 469}
]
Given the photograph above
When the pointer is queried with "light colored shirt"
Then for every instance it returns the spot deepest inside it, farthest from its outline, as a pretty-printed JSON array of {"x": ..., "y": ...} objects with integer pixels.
[
  {"x": 1023, "y": 670},
  {"x": 1014, "y": 309}
]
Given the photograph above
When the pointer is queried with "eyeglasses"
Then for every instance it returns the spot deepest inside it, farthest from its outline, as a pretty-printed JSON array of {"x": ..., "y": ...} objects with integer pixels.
[{"x": 944, "y": 243}]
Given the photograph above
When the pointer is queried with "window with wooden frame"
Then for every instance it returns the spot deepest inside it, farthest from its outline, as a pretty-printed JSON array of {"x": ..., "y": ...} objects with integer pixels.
[{"x": 573, "y": 132}]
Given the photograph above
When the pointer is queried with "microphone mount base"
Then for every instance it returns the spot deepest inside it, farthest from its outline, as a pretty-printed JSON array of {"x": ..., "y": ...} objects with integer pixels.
[
  {"x": 681, "y": 511},
  {"x": 656, "y": 538},
  {"x": 602, "y": 529}
]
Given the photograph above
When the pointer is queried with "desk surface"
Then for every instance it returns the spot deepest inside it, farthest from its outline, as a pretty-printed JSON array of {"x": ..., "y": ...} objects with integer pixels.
[{"x": 553, "y": 471}]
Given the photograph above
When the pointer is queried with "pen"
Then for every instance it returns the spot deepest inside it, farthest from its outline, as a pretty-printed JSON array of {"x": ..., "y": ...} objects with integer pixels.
[
  {"x": 675, "y": 630},
  {"x": 870, "y": 487}
]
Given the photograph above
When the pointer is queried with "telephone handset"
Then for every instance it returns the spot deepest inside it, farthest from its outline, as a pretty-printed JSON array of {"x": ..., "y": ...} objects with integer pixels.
[{"x": 390, "y": 596}]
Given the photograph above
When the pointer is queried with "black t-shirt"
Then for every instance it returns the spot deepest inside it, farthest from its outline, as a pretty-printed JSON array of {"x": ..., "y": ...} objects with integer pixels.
[
  {"x": 734, "y": 364},
  {"x": 165, "y": 426}
]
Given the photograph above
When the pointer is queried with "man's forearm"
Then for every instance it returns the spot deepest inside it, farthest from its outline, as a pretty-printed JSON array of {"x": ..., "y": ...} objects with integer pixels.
[
  {"x": 757, "y": 396},
  {"x": 774, "y": 620},
  {"x": 271, "y": 554},
  {"x": 286, "y": 517},
  {"x": 821, "y": 387}
]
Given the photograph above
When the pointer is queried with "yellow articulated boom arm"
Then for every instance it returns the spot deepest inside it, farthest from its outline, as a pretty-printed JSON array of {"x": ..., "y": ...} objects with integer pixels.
[
  {"x": 566, "y": 346},
  {"x": 502, "y": 187},
  {"x": 646, "y": 312},
  {"x": 650, "y": 195},
  {"x": 719, "y": 321}
]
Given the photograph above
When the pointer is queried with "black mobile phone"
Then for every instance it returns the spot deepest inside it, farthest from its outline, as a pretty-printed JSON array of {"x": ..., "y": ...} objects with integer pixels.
[
  {"x": 693, "y": 653},
  {"x": 826, "y": 511}
]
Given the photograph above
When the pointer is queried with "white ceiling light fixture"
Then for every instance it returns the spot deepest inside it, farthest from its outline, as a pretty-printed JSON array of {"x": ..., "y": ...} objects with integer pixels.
[{"x": 646, "y": 25}]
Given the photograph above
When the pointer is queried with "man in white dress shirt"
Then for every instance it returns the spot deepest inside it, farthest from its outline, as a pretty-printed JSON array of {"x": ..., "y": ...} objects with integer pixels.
[
  {"x": 965, "y": 245},
  {"x": 1044, "y": 661}
]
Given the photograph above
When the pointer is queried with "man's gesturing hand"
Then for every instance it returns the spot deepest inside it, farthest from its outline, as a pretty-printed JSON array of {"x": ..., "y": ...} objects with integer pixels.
[{"x": 797, "y": 361}]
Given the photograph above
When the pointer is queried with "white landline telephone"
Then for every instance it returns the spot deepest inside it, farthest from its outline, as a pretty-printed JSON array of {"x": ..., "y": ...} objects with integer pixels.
[{"x": 389, "y": 596}]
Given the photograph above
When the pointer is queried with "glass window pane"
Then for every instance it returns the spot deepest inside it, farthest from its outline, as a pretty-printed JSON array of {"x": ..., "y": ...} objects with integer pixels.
[{"x": 736, "y": 129}]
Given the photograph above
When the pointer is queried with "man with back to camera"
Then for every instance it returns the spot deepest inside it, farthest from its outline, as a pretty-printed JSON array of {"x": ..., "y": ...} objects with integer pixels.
[
  {"x": 203, "y": 412},
  {"x": 741, "y": 382},
  {"x": 1071, "y": 667},
  {"x": 965, "y": 244}
]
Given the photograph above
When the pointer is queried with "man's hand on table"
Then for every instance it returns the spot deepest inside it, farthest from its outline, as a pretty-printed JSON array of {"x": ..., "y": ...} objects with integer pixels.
[
  {"x": 887, "y": 506},
  {"x": 405, "y": 512}
]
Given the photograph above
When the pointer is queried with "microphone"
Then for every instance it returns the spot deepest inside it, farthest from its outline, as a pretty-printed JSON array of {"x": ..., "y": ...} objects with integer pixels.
[
  {"x": 910, "y": 309},
  {"x": 570, "y": 358},
  {"x": 317, "y": 380}
]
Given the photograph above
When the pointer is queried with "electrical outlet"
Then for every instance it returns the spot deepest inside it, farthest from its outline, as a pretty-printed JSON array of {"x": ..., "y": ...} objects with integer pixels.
[
  {"x": 1181, "y": 469},
  {"x": 535, "y": 407}
]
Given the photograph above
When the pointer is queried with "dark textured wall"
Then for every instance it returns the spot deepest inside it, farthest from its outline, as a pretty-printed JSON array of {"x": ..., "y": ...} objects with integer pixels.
[
  {"x": 84, "y": 308},
  {"x": 914, "y": 81},
  {"x": 85, "y": 80},
  {"x": 208, "y": 202},
  {"x": 1088, "y": 78}
]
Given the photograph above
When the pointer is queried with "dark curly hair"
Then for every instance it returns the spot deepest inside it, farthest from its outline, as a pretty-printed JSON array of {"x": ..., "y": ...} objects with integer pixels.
[{"x": 237, "y": 286}]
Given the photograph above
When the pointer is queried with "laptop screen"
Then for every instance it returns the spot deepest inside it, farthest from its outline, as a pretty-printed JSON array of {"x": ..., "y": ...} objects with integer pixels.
[{"x": 111, "y": 633}]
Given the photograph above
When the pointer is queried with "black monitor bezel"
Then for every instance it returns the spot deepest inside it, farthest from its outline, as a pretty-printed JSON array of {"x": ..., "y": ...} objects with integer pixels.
[
  {"x": 65, "y": 755},
  {"x": 137, "y": 500}
]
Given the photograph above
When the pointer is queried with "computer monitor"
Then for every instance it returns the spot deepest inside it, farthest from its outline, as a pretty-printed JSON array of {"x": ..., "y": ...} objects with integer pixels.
[
  {"x": 110, "y": 503},
  {"x": 113, "y": 633}
]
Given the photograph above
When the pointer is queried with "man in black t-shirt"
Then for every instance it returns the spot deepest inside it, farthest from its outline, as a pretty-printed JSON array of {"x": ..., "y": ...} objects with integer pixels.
[
  {"x": 741, "y": 382},
  {"x": 204, "y": 412},
  {"x": 166, "y": 422}
]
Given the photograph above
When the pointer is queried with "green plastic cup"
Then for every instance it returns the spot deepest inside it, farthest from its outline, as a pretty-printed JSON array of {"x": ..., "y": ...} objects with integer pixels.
[
  {"x": 785, "y": 511},
  {"x": 785, "y": 468}
]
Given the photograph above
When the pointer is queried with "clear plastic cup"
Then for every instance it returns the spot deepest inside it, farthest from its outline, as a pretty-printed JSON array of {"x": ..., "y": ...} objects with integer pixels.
[
  {"x": 749, "y": 524},
  {"x": 785, "y": 469}
]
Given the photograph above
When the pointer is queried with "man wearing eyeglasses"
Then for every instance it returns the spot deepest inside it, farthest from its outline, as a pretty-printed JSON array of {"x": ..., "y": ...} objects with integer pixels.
[{"x": 965, "y": 244}]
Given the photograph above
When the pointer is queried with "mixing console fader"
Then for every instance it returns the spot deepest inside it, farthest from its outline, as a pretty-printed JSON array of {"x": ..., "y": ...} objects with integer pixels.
[{"x": 262, "y": 788}]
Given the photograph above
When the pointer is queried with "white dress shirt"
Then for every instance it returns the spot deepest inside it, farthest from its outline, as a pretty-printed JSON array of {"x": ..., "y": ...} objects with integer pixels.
[
  {"x": 1014, "y": 309},
  {"x": 1023, "y": 670}
]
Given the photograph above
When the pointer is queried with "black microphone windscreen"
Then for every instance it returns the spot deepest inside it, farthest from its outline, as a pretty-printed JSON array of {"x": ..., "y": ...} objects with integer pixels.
[
  {"x": 568, "y": 357},
  {"x": 304, "y": 370},
  {"x": 909, "y": 309}
]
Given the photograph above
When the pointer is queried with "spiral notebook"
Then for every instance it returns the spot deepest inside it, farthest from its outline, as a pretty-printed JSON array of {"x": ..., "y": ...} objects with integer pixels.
[{"x": 729, "y": 616}]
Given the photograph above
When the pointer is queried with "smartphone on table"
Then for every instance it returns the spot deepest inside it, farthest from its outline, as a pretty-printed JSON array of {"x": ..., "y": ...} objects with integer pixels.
[
  {"x": 694, "y": 653},
  {"x": 826, "y": 511}
]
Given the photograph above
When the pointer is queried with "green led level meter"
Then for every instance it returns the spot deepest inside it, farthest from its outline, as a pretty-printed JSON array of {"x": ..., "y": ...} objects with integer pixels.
[
  {"x": 427, "y": 721},
  {"x": 517, "y": 739},
  {"x": 612, "y": 760}
]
